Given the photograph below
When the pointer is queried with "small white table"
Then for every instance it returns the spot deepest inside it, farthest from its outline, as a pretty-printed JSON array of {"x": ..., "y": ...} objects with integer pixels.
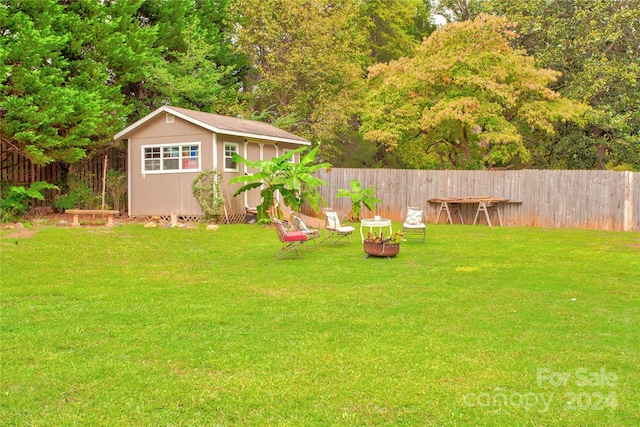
[{"x": 378, "y": 223}]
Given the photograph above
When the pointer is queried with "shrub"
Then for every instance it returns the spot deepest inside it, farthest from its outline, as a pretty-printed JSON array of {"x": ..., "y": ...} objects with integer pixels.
[
  {"x": 117, "y": 188},
  {"x": 80, "y": 196},
  {"x": 18, "y": 199},
  {"x": 206, "y": 190},
  {"x": 294, "y": 181}
]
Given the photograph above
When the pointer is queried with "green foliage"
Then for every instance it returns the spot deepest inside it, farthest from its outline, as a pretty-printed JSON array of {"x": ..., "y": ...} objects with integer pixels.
[
  {"x": 79, "y": 196},
  {"x": 354, "y": 152},
  {"x": 206, "y": 190},
  {"x": 294, "y": 181},
  {"x": 16, "y": 200},
  {"x": 58, "y": 99},
  {"x": 75, "y": 73},
  {"x": 317, "y": 95},
  {"x": 359, "y": 196},
  {"x": 466, "y": 99},
  {"x": 623, "y": 167},
  {"x": 458, "y": 10},
  {"x": 306, "y": 59},
  {"x": 191, "y": 74},
  {"x": 396, "y": 27},
  {"x": 569, "y": 149},
  {"x": 117, "y": 188},
  {"x": 594, "y": 43}
]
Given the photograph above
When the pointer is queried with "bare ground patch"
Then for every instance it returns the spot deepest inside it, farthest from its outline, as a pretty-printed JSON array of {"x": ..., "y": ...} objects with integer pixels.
[{"x": 18, "y": 233}]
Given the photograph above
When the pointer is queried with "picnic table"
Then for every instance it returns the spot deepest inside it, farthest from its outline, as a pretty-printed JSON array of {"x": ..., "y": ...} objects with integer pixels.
[{"x": 486, "y": 205}]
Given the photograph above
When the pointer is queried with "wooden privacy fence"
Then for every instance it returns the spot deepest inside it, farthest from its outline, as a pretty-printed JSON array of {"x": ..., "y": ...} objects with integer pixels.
[
  {"x": 603, "y": 200},
  {"x": 17, "y": 169}
]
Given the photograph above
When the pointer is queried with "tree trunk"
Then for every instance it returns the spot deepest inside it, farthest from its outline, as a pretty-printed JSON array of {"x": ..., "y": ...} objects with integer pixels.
[
  {"x": 465, "y": 145},
  {"x": 602, "y": 152}
]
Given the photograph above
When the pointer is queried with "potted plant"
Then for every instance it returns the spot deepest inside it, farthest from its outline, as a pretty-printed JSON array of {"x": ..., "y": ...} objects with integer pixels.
[{"x": 380, "y": 246}]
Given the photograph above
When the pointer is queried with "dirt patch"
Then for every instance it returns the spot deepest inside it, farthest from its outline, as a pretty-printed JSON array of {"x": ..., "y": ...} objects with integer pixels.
[
  {"x": 18, "y": 233},
  {"x": 38, "y": 221}
]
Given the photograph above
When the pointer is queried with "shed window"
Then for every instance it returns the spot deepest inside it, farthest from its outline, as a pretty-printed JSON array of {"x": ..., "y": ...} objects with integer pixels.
[
  {"x": 285, "y": 151},
  {"x": 171, "y": 158},
  {"x": 229, "y": 150}
]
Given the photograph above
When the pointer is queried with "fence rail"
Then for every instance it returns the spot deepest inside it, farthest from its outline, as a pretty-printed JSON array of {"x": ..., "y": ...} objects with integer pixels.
[{"x": 603, "y": 200}]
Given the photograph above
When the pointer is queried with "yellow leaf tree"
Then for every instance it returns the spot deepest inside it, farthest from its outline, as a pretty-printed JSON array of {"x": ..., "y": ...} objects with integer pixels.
[{"x": 465, "y": 100}]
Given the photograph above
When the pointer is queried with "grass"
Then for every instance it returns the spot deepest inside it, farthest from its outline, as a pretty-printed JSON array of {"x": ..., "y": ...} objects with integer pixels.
[{"x": 480, "y": 326}]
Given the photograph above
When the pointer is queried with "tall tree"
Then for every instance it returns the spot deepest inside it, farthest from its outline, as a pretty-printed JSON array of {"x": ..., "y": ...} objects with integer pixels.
[
  {"x": 75, "y": 73},
  {"x": 59, "y": 96},
  {"x": 307, "y": 62},
  {"x": 396, "y": 27},
  {"x": 199, "y": 68},
  {"x": 192, "y": 79},
  {"x": 594, "y": 43},
  {"x": 466, "y": 100}
]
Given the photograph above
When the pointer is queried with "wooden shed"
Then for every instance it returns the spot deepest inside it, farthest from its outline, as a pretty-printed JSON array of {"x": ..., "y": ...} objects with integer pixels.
[{"x": 168, "y": 148}]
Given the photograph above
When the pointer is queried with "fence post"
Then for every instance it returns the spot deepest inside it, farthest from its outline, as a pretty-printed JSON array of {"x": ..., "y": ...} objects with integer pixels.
[{"x": 628, "y": 201}]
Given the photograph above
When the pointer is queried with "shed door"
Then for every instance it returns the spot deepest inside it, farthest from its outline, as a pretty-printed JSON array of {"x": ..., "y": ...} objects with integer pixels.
[
  {"x": 253, "y": 153},
  {"x": 269, "y": 151}
]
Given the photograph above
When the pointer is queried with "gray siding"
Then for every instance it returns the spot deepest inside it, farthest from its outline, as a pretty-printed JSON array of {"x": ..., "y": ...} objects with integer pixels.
[
  {"x": 166, "y": 193},
  {"x": 170, "y": 193}
]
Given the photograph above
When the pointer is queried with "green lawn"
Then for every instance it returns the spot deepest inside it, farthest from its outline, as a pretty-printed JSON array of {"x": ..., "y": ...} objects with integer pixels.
[{"x": 479, "y": 326}]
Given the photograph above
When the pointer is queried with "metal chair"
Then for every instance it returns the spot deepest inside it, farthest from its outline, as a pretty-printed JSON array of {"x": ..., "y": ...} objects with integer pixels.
[
  {"x": 413, "y": 221},
  {"x": 335, "y": 229},
  {"x": 299, "y": 225},
  {"x": 290, "y": 239}
]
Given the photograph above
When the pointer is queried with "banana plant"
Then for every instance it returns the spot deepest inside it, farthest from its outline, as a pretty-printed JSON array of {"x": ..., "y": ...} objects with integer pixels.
[
  {"x": 359, "y": 196},
  {"x": 294, "y": 181}
]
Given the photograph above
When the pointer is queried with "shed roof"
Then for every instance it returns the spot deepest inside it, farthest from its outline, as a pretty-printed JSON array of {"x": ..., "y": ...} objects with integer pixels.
[{"x": 220, "y": 124}]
